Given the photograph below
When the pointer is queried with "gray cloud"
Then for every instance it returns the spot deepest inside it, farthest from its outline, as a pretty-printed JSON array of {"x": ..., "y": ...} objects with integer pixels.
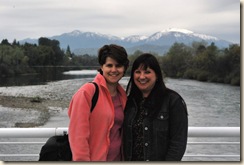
[{"x": 35, "y": 18}]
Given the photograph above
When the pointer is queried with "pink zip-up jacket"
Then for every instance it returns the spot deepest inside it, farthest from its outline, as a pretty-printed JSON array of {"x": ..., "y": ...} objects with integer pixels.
[{"x": 89, "y": 132}]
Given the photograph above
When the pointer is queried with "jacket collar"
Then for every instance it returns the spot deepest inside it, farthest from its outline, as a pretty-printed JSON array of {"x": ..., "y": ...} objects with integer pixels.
[{"x": 99, "y": 79}]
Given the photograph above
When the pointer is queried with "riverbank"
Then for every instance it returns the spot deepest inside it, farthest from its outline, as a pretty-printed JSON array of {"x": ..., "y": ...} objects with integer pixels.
[
  {"x": 34, "y": 105},
  {"x": 45, "y": 106},
  {"x": 31, "y": 102},
  {"x": 31, "y": 106}
]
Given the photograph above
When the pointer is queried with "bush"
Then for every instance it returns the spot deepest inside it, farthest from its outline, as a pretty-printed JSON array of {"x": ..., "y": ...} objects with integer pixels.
[
  {"x": 190, "y": 74},
  {"x": 6, "y": 70},
  {"x": 202, "y": 76},
  {"x": 235, "y": 81},
  {"x": 216, "y": 78},
  {"x": 227, "y": 79},
  {"x": 179, "y": 75}
]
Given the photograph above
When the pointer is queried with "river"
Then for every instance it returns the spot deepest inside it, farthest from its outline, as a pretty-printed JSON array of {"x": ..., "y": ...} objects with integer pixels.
[{"x": 209, "y": 105}]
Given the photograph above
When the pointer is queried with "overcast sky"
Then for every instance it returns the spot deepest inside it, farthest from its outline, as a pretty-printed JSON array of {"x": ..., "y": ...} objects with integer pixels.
[{"x": 21, "y": 19}]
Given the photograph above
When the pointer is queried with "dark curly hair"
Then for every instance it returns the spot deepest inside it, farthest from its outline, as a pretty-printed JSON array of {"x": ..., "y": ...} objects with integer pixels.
[{"x": 116, "y": 52}]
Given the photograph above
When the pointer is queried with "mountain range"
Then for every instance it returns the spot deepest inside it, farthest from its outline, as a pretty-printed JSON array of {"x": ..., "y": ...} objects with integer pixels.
[{"x": 159, "y": 42}]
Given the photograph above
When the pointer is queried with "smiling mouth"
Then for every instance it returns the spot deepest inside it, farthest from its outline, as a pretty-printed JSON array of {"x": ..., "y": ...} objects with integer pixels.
[
  {"x": 142, "y": 81},
  {"x": 114, "y": 75}
]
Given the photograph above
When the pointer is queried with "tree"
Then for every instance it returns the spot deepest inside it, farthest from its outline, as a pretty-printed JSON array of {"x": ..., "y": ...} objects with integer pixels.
[
  {"x": 5, "y": 42},
  {"x": 198, "y": 47},
  {"x": 176, "y": 60},
  {"x": 68, "y": 52},
  {"x": 15, "y": 43},
  {"x": 233, "y": 60},
  {"x": 58, "y": 55}
]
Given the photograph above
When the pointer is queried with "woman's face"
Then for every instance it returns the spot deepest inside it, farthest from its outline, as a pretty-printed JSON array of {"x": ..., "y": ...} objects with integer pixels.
[
  {"x": 112, "y": 71},
  {"x": 145, "y": 80}
]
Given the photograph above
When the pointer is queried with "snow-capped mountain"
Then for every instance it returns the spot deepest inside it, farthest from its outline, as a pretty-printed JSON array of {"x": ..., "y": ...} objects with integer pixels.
[
  {"x": 159, "y": 42},
  {"x": 134, "y": 38}
]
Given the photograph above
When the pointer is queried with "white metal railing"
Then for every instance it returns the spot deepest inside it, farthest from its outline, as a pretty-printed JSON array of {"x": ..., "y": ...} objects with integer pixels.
[
  {"x": 196, "y": 132},
  {"x": 31, "y": 132},
  {"x": 48, "y": 132}
]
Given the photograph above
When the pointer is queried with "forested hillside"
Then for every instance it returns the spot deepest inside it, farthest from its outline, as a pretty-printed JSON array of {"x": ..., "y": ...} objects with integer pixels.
[{"x": 199, "y": 61}]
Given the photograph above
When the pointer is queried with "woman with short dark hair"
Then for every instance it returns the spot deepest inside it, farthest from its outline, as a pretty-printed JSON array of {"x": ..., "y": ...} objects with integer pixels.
[{"x": 96, "y": 135}]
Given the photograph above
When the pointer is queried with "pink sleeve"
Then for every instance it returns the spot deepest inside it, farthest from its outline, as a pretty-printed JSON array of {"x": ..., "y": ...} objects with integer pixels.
[{"x": 79, "y": 132}]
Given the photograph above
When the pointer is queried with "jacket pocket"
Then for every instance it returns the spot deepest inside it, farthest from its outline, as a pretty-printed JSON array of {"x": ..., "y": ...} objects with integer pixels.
[
  {"x": 161, "y": 122},
  {"x": 160, "y": 135}
]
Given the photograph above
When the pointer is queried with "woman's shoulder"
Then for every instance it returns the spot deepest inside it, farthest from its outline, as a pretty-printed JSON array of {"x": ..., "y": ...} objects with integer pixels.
[
  {"x": 171, "y": 92},
  {"x": 173, "y": 95},
  {"x": 87, "y": 88}
]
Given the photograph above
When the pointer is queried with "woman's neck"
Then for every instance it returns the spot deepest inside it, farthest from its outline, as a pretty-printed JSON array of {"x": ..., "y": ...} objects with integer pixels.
[
  {"x": 145, "y": 94},
  {"x": 112, "y": 88}
]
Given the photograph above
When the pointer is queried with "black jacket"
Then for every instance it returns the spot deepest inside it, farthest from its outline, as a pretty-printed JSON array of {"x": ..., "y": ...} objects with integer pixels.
[{"x": 165, "y": 127}]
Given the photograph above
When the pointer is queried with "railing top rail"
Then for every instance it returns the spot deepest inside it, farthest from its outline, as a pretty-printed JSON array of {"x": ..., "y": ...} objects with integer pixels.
[
  {"x": 32, "y": 132},
  {"x": 214, "y": 131},
  {"x": 48, "y": 132}
]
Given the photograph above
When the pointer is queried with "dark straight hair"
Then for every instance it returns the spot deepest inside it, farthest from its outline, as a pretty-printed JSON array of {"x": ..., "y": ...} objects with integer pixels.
[{"x": 145, "y": 61}]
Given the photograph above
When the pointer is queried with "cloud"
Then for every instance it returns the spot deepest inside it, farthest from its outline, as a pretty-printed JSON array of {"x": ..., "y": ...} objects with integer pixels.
[{"x": 34, "y": 18}]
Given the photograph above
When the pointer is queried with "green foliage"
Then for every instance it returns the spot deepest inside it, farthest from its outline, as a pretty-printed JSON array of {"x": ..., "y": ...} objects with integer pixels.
[
  {"x": 190, "y": 74},
  {"x": 198, "y": 61},
  {"x": 203, "y": 76},
  {"x": 203, "y": 63},
  {"x": 176, "y": 61},
  {"x": 13, "y": 61},
  {"x": 132, "y": 58},
  {"x": 235, "y": 81},
  {"x": 5, "y": 42}
]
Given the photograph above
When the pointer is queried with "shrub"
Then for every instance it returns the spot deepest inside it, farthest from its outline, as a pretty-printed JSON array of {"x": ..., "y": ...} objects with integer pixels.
[
  {"x": 203, "y": 76},
  {"x": 190, "y": 74},
  {"x": 235, "y": 81}
]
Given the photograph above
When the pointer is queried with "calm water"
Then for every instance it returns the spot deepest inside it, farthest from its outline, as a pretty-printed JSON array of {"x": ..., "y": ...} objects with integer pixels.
[
  {"x": 39, "y": 79},
  {"x": 213, "y": 105},
  {"x": 209, "y": 104}
]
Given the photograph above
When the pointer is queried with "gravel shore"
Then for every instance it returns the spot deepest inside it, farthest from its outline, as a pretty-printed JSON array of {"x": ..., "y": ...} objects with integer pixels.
[{"x": 32, "y": 106}]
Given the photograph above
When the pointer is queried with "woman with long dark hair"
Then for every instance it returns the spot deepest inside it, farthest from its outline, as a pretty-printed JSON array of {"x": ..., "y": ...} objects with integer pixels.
[{"x": 156, "y": 119}]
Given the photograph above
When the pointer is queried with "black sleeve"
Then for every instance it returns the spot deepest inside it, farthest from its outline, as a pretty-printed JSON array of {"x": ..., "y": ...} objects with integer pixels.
[{"x": 178, "y": 128}]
